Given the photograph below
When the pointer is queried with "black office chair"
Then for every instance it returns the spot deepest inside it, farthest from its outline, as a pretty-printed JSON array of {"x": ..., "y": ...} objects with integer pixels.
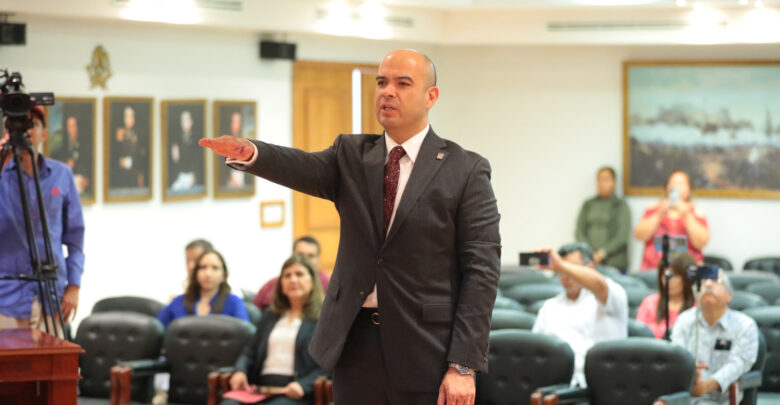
[
  {"x": 743, "y": 300},
  {"x": 768, "y": 263},
  {"x": 253, "y": 312},
  {"x": 507, "y": 303},
  {"x": 521, "y": 361},
  {"x": 141, "y": 305},
  {"x": 534, "y": 307},
  {"x": 768, "y": 321},
  {"x": 770, "y": 292},
  {"x": 110, "y": 337},
  {"x": 635, "y": 296},
  {"x": 511, "y": 319},
  {"x": 527, "y": 294},
  {"x": 745, "y": 278},
  {"x": 631, "y": 371},
  {"x": 638, "y": 329},
  {"x": 628, "y": 281},
  {"x": 194, "y": 346},
  {"x": 720, "y": 261},
  {"x": 649, "y": 277},
  {"x": 514, "y": 276}
]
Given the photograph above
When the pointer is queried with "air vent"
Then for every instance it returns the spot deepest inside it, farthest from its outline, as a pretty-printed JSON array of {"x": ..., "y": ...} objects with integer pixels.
[
  {"x": 204, "y": 5},
  {"x": 590, "y": 26},
  {"x": 390, "y": 20}
]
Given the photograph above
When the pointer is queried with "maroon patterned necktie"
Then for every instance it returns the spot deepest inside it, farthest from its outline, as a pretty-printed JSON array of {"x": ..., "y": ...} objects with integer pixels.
[{"x": 392, "y": 173}]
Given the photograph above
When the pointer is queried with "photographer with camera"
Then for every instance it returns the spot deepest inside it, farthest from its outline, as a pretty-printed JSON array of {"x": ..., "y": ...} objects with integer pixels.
[
  {"x": 674, "y": 215},
  {"x": 20, "y": 300},
  {"x": 724, "y": 342}
]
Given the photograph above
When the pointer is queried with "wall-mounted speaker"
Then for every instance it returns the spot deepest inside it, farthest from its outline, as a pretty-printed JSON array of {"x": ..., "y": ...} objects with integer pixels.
[
  {"x": 13, "y": 34},
  {"x": 277, "y": 50}
]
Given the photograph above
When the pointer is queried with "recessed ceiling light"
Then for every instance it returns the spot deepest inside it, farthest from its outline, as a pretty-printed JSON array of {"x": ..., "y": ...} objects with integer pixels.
[
  {"x": 682, "y": 3},
  {"x": 744, "y": 2}
]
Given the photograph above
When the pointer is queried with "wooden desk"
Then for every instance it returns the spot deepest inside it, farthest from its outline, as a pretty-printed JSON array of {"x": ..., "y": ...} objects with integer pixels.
[{"x": 36, "y": 368}]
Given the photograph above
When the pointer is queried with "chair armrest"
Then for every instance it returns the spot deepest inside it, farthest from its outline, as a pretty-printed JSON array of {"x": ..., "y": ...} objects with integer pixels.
[
  {"x": 569, "y": 395},
  {"x": 319, "y": 390},
  {"x": 538, "y": 395},
  {"x": 677, "y": 398},
  {"x": 146, "y": 366},
  {"x": 751, "y": 379}
]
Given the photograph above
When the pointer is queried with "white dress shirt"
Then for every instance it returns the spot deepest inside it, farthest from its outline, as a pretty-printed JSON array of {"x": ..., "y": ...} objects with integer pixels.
[
  {"x": 280, "y": 358},
  {"x": 584, "y": 322},
  {"x": 412, "y": 148}
]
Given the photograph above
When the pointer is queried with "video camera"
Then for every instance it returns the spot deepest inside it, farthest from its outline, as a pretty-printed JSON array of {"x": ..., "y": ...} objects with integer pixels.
[
  {"x": 697, "y": 274},
  {"x": 16, "y": 104}
]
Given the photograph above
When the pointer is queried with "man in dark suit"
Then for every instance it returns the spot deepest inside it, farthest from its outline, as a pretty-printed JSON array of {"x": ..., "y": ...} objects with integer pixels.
[{"x": 407, "y": 313}]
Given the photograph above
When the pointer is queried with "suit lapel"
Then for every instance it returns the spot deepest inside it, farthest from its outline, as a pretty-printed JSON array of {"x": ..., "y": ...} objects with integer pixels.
[
  {"x": 374, "y": 166},
  {"x": 428, "y": 162}
]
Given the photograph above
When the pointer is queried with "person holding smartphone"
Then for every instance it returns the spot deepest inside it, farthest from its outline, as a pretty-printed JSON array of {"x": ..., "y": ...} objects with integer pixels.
[{"x": 674, "y": 215}]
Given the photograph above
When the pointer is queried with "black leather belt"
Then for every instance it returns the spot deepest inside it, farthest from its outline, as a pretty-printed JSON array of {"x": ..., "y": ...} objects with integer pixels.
[{"x": 369, "y": 315}]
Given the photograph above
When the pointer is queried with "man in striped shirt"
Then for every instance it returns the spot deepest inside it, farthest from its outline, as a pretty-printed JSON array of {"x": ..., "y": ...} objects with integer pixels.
[{"x": 727, "y": 343}]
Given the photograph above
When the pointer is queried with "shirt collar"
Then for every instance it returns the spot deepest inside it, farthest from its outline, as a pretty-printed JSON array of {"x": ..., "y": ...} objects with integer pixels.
[
  {"x": 411, "y": 146},
  {"x": 723, "y": 321},
  {"x": 43, "y": 166}
]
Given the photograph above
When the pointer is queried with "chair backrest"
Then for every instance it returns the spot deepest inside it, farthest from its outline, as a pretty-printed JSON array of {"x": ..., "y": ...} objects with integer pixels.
[
  {"x": 507, "y": 303},
  {"x": 768, "y": 321},
  {"x": 254, "y": 313},
  {"x": 141, "y": 305},
  {"x": 638, "y": 329},
  {"x": 743, "y": 300},
  {"x": 720, "y": 261},
  {"x": 770, "y": 292},
  {"x": 197, "y": 345},
  {"x": 628, "y": 281},
  {"x": 767, "y": 263},
  {"x": 637, "y": 370},
  {"x": 530, "y": 293},
  {"x": 745, "y": 278},
  {"x": 649, "y": 277},
  {"x": 534, "y": 307},
  {"x": 513, "y": 276},
  {"x": 520, "y": 362},
  {"x": 750, "y": 395},
  {"x": 110, "y": 337},
  {"x": 511, "y": 319}
]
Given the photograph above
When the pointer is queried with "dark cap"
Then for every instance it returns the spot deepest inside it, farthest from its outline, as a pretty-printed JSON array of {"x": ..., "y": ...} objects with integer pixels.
[{"x": 37, "y": 112}]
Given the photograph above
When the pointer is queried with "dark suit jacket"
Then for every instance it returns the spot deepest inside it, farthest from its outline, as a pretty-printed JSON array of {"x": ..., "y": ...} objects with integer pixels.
[
  {"x": 253, "y": 357},
  {"x": 437, "y": 270}
]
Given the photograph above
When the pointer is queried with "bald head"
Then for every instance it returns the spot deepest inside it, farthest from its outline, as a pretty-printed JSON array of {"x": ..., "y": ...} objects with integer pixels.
[{"x": 418, "y": 59}]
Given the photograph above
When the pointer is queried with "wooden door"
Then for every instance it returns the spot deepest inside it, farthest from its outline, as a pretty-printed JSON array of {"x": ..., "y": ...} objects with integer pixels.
[{"x": 322, "y": 109}]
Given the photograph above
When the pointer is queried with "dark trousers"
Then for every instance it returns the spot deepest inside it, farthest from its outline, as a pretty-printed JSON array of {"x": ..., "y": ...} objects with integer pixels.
[{"x": 360, "y": 376}]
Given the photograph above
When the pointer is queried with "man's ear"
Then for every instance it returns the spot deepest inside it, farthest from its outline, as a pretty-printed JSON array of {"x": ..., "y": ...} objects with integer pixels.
[{"x": 431, "y": 95}]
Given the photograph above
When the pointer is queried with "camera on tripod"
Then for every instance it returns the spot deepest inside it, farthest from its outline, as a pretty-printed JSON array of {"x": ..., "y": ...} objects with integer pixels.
[
  {"x": 697, "y": 274},
  {"x": 16, "y": 104}
]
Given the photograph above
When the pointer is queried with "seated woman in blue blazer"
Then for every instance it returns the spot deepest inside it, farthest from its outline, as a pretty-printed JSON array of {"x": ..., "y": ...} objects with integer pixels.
[
  {"x": 278, "y": 354},
  {"x": 207, "y": 293}
]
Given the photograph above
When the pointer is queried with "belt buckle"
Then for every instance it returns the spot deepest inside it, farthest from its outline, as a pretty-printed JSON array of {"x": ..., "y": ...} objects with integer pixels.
[{"x": 375, "y": 318}]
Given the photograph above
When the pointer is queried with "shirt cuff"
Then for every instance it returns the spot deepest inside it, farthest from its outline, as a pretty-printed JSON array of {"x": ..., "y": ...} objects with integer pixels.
[{"x": 249, "y": 162}]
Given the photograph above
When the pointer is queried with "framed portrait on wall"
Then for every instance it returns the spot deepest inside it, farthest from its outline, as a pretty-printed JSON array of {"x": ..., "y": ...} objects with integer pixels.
[
  {"x": 127, "y": 149},
  {"x": 183, "y": 160},
  {"x": 72, "y": 140},
  {"x": 719, "y": 121},
  {"x": 235, "y": 118}
]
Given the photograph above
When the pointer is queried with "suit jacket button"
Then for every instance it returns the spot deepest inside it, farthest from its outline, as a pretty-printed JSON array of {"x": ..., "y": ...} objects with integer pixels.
[
  {"x": 379, "y": 262},
  {"x": 362, "y": 293}
]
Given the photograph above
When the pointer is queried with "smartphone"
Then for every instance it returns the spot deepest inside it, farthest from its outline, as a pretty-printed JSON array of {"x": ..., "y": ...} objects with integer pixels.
[
  {"x": 534, "y": 259},
  {"x": 706, "y": 272},
  {"x": 674, "y": 196},
  {"x": 677, "y": 244}
]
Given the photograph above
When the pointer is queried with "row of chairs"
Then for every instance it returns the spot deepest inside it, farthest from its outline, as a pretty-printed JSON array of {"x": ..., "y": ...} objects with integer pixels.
[{"x": 769, "y": 264}]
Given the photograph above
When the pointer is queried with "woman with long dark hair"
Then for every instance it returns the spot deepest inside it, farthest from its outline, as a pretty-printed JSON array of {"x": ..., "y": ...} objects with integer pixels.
[
  {"x": 208, "y": 292},
  {"x": 278, "y": 355},
  {"x": 652, "y": 310}
]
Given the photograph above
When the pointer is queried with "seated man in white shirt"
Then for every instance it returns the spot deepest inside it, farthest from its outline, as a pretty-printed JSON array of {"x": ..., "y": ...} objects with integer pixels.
[
  {"x": 727, "y": 341},
  {"x": 592, "y": 308}
]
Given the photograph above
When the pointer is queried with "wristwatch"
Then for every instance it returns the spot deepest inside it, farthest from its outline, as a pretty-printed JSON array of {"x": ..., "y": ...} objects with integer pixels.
[{"x": 462, "y": 370}]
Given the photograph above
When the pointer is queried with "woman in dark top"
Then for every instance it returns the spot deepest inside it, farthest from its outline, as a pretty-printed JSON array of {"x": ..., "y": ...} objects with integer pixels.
[
  {"x": 207, "y": 293},
  {"x": 604, "y": 223},
  {"x": 278, "y": 354}
]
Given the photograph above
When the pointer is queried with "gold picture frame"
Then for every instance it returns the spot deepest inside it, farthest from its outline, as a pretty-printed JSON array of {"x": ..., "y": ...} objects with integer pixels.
[
  {"x": 184, "y": 165},
  {"x": 716, "y": 120},
  {"x": 267, "y": 206},
  {"x": 66, "y": 118},
  {"x": 237, "y": 118},
  {"x": 128, "y": 149}
]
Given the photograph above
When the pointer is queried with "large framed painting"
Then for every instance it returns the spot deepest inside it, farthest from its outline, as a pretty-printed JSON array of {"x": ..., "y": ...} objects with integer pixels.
[
  {"x": 72, "y": 140},
  {"x": 719, "y": 121},
  {"x": 184, "y": 161},
  {"x": 235, "y": 118},
  {"x": 127, "y": 149}
]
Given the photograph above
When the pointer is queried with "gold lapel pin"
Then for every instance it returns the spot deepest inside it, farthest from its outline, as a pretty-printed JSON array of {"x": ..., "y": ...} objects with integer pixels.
[{"x": 440, "y": 156}]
